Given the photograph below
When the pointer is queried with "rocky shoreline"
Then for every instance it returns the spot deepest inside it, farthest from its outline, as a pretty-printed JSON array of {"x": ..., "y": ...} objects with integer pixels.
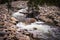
[{"x": 48, "y": 14}]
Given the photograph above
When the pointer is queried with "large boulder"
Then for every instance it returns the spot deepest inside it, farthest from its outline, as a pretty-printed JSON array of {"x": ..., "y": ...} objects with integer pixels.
[{"x": 19, "y": 16}]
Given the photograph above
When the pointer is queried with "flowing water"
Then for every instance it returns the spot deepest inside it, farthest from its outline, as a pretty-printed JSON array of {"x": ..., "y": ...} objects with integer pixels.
[
  {"x": 43, "y": 31},
  {"x": 39, "y": 29}
]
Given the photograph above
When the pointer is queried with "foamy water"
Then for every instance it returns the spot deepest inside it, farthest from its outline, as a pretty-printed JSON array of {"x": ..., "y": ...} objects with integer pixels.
[
  {"x": 43, "y": 30},
  {"x": 39, "y": 26}
]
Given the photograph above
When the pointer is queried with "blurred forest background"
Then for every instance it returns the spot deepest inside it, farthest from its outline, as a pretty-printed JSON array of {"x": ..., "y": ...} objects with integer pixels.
[{"x": 36, "y": 2}]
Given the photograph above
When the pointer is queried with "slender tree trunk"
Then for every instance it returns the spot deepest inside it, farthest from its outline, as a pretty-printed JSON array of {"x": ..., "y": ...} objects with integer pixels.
[{"x": 9, "y": 5}]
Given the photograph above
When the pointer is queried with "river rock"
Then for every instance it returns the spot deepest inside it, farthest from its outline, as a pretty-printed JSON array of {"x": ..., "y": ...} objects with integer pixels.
[{"x": 49, "y": 14}]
